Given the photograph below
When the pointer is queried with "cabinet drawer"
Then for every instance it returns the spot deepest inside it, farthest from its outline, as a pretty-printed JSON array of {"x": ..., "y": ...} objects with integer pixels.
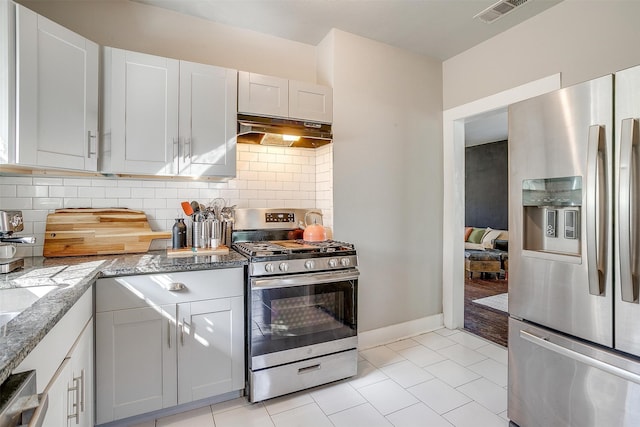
[
  {"x": 47, "y": 356},
  {"x": 119, "y": 293}
]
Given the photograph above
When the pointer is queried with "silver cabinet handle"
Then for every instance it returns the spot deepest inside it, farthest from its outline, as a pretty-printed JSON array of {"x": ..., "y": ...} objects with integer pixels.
[
  {"x": 579, "y": 357},
  {"x": 83, "y": 389},
  {"x": 76, "y": 404},
  {"x": 92, "y": 147},
  {"x": 188, "y": 325},
  {"x": 627, "y": 211},
  {"x": 169, "y": 332},
  {"x": 596, "y": 210},
  {"x": 175, "y": 157},
  {"x": 186, "y": 154}
]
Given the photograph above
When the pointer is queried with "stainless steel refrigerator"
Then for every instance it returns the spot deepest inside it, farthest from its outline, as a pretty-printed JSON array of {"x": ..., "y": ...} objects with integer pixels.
[{"x": 574, "y": 255}]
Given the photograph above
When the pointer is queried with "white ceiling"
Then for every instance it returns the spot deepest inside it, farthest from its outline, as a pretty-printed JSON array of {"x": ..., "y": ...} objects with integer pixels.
[
  {"x": 485, "y": 128},
  {"x": 437, "y": 28}
]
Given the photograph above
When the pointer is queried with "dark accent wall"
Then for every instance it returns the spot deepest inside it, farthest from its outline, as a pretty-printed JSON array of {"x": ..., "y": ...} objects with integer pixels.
[{"x": 487, "y": 186}]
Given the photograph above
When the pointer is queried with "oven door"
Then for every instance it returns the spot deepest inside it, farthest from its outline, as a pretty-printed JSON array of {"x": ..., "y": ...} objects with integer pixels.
[{"x": 301, "y": 316}]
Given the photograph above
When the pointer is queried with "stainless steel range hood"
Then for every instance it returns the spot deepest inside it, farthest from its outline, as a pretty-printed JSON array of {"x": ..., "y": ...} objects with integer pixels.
[{"x": 282, "y": 132}]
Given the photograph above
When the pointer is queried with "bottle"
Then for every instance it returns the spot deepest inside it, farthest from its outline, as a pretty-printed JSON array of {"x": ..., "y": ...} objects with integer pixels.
[{"x": 179, "y": 234}]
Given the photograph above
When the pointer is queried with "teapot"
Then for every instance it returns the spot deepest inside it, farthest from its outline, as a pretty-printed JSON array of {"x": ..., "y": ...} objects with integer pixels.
[{"x": 314, "y": 232}]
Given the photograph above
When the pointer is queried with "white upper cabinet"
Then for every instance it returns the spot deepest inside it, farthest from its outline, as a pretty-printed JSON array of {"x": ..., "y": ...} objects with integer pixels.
[
  {"x": 163, "y": 116},
  {"x": 277, "y": 97},
  {"x": 57, "y": 95},
  {"x": 208, "y": 120},
  {"x": 309, "y": 101},
  {"x": 263, "y": 95},
  {"x": 141, "y": 113}
]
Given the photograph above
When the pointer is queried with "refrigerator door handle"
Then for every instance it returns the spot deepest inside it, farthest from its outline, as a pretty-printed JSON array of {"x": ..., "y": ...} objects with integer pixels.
[
  {"x": 579, "y": 357},
  {"x": 596, "y": 210},
  {"x": 627, "y": 214}
]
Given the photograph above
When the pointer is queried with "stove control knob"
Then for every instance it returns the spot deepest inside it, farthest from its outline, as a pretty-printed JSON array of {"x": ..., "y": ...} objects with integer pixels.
[
  {"x": 333, "y": 263},
  {"x": 309, "y": 265},
  {"x": 345, "y": 262},
  {"x": 284, "y": 266},
  {"x": 269, "y": 268}
]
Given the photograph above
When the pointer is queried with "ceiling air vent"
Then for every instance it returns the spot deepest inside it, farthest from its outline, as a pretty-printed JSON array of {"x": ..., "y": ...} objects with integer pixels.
[{"x": 498, "y": 10}]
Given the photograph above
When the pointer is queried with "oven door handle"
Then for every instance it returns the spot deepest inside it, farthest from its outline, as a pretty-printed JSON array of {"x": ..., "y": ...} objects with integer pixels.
[{"x": 304, "y": 279}]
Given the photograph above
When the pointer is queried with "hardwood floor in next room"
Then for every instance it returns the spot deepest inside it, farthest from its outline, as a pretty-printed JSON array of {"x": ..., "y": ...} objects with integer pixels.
[{"x": 481, "y": 320}]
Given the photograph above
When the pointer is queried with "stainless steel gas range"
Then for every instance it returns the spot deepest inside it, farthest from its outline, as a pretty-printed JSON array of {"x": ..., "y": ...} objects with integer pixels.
[{"x": 301, "y": 304}]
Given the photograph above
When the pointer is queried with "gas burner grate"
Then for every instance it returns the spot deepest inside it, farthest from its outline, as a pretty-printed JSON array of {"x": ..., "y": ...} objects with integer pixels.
[{"x": 263, "y": 248}]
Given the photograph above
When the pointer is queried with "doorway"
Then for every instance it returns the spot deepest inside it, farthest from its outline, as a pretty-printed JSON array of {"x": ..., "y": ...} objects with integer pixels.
[
  {"x": 487, "y": 210},
  {"x": 453, "y": 209}
]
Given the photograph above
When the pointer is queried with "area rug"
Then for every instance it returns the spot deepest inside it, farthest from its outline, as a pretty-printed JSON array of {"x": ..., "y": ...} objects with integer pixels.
[{"x": 499, "y": 302}]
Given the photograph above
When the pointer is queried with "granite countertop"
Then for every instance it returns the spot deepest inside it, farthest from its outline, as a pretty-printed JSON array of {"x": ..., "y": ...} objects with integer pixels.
[{"x": 66, "y": 279}]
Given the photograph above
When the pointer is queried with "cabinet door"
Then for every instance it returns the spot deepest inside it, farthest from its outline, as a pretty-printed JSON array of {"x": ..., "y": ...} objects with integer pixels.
[
  {"x": 57, "y": 95},
  {"x": 211, "y": 352},
  {"x": 143, "y": 112},
  {"x": 208, "y": 106},
  {"x": 81, "y": 381},
  {"x": 310, "y": 102},
  {"x": 263, "y": 95},
  {"x": 135, "y": 361},
  {"x": 58, "y": 394}
]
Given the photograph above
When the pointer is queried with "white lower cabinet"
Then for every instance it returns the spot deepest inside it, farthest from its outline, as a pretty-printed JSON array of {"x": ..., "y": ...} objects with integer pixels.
[
  {"x": 63, "y": 362},
  {"x": 70, "y": 392},
  {"x": 157, "y": 348}
]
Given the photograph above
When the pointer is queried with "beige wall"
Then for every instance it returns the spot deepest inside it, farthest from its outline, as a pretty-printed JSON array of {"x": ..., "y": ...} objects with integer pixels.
[
  {"x": 580, "y": 39},
  {"x": 388, "y": 174},
  {"x": 134, "y": 26}
]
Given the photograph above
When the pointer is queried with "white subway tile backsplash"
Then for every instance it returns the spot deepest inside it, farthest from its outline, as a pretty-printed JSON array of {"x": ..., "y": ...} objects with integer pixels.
[
  {"x": 34, "y": 215},
  {"x": 135, "y": 204},
  {"x": 259, "y": 167},
  {"x": 247, "y": 156},
  {"x": 46, "y": 203},
  {"x": 63, "y": 191},
  {"x": 292, "y": 168},
  {"x": 256, "y": 185},
  {"x": 267, "y": 158},
  {"x": 8, "y": 191},
  {"x": 266, "y": 177},
  {"x": 77, "y": 203},
  {"x": 284, "y": 177},
  {"x": 153, "y": 203},
  {"x": 91, "y": 192},
  {"x": 142, "y": 193},
  {"x": 77, "y": 182},
  {"x": 42, "y": 180},
  {"x": 128, "y": 183},
  {"x": 293, "y": 186},
  {"x": 104, "y": 182},
  {"x": 154, "y": 184},
  {"x": 104, "y": 203},
  {"x": 166, "y": 193},
  {"x": 273, "y": 185},
  {"x": 275, "y": 167},
  {"x": 16, "y": 180},
  {"x": 118, "y": 193},
  {"x": 32, "y": 190}
]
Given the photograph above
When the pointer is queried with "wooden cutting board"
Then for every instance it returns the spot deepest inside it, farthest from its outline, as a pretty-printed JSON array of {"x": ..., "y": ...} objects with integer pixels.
[{"x": 84, "y": 231}]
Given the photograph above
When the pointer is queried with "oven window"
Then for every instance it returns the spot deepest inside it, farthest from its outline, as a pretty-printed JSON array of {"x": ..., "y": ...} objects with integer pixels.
[{"x": 285, "y": 318}]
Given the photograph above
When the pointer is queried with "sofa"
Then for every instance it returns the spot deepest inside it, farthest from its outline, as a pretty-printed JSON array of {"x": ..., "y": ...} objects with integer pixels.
[{"x": 486, "y": 251}]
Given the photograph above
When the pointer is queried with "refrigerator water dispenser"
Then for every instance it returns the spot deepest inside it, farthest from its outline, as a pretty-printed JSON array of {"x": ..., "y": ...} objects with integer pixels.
[{"x": 551, "y": 209}]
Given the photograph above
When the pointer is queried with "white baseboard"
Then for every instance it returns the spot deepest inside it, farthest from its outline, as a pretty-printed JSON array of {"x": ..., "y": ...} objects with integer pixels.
[{"x": 399, "y": 331}]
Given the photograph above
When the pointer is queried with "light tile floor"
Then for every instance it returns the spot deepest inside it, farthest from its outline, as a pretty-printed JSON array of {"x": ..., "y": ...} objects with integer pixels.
[{"x": 443, "y": 378}]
